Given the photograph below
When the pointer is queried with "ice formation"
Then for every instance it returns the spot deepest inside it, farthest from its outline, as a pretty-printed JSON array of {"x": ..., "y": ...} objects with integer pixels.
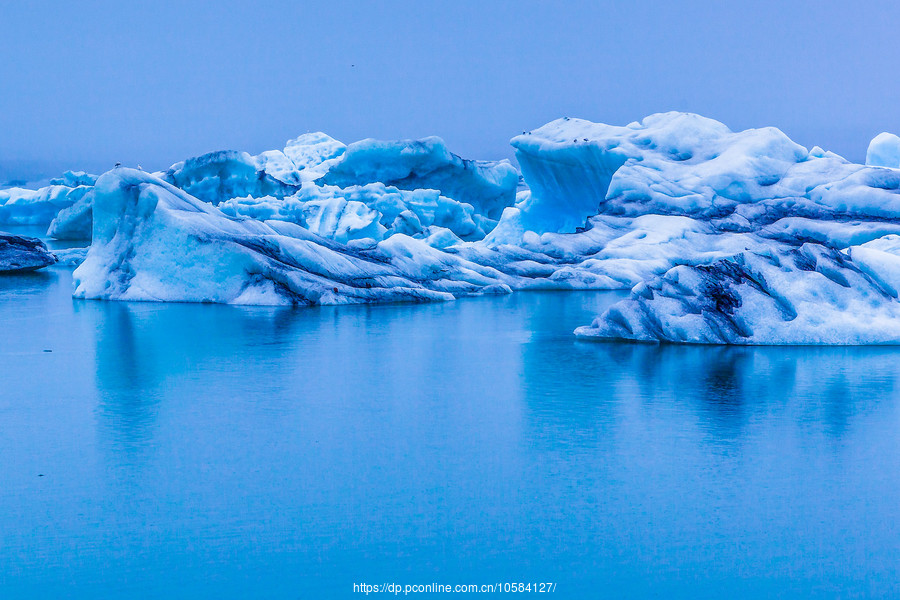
[
  {"x": 774, "y": 294},
  {"x": 20, "y": 254},
  {"x": 884, "y": 151},
  {"x": 73, "y": 222},
  {"x": 74, "y": 179},
  {"x": 227, "y": 174},
  {"x": 487, "y": 186},
  {"x": 70, "y": 257},
  {"x": 372, "y": 211},
  {"x": 313, "y": 154},
  {"x": 290, "y": 185},
  {"x": 153, "y": 241},
  {"x": 37, "y": 207},
  {"x": 767, "y": 247},
  {"x": 723, "y": 237}
]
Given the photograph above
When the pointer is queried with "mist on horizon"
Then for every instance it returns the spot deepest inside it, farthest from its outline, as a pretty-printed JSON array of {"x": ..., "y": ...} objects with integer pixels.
[{"x": 105, "y": 82}]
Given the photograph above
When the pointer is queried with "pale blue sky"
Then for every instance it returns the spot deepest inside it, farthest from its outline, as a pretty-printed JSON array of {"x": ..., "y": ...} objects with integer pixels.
[{"x": 89, "y": 83}]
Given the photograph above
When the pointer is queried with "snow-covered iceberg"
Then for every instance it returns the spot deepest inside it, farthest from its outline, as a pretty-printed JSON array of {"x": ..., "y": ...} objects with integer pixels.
[{"x": 21, "y": 254}]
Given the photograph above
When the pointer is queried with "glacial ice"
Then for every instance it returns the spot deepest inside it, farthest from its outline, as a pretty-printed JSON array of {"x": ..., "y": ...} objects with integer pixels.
[
  {"x": 226, "y": 174},
  {"x": 313, "y": 154},
  {"x": 488, "y": 186},
  {"x": 772, "y": 294},
  {"x": 155, "y": 242},
  {"x": 770, "y": 250},
  {"x": 722, "y": 237},
  {"x": 74, "y": 179},
  {"x": 70, "y": 257},
  {"x": 219, "y": 176},
  {"x": 884, "y": 151},
  {"x": 289, "y": 185},
  {"x": 37, "y": 207},
  {"x": 21, "y": 254},
  {"x": 74, "y": 222},
  {"x": 372, "y": 211}
]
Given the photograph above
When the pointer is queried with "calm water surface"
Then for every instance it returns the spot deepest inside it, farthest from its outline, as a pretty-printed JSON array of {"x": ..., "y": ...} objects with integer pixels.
[{"x": 198, "y": 451}]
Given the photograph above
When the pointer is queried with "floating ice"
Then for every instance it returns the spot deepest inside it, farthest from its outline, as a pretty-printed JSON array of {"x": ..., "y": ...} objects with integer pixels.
[
  {"x": 37, "y": 207},
  {"x": 70, "y": 257},
  {"x": 725, "y": 237},
  {"x": 74, "y": 222},
  {"x": 20, "y": 254},
  {"x": 487, "y": 186},
  {"x": 670, "y": 163},
  {"x": 289, "y": 185},
  {"x": 217, "y": 176},
  {"x": 313, "y": 154},
  {"x": 884, "y": 151},
  {"x": 153, "y": 241},
  {"x": 373, "y": 211},
  {"x": 759, "y": 258},
  {"x": 74, "y": 179},
  {"x": 773, "y": 294}
]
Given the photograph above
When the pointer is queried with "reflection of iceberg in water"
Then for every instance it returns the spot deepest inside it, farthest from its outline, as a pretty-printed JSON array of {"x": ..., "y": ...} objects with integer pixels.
[
  {"x": 199, "y": 365},
  {"x": 149, "y": 353},
  {"x": 727, "y": 388},
  {"x": 126, "y": 378}
]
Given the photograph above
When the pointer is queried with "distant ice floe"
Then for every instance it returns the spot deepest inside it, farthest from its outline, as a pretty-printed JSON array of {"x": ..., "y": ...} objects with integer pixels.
[{"x": 19, "y": 206}]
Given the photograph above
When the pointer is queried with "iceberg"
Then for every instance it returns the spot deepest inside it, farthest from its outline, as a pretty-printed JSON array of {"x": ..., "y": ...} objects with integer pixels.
[
  {"x": 670, "y": 163},
  {"x": 751, "y": 238},
  {"x": 213, "y": 177},
  {"x": 313, "y": 154},
  {"x": 722, "y": 237},
  {"x": 488, "y": 186},
  {"x": 289, "y": 185},
  {"x": 73, "y": 222},
  {"x": 154, "y": 242},
  {"x": 773, "y": 294},
  {"x": 217, "y": 176},
  {"x": 372, "y": 211},
  {"x": 74, "y": 179},
  {"x": 884, "y": 151},
  {"x": 19, "y": 206},
  {"x": 70, "y": 257},
  {"x": 21, "y": 254}
]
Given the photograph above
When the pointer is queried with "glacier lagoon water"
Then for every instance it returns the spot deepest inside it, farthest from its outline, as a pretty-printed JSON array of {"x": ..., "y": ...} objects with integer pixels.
[{"x": 201, "y": 451}]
